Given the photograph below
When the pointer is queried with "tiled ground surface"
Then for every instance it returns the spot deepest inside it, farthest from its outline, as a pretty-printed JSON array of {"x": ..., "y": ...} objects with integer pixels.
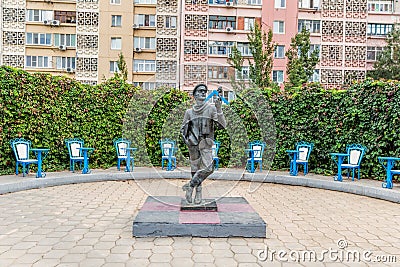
[{"x": 91, "y": 225}]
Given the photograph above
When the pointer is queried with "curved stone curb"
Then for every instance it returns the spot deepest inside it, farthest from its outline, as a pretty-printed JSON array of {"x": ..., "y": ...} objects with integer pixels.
[{"x": 363, "y": 190}]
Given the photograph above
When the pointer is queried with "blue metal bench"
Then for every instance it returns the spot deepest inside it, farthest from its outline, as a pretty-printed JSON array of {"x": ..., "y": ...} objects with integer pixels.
[
  {"x": 300, "y": 156},
  {"x": 22, "y": 148},
  {"x": 255, "y": 154},
  {"x": 354, "y": 154},
  {"x": 215, "y": 149},
  {"x": 168, "y": 149},
  {"x": 124, "y": 152},
  {"x": 390, "y": 163}
]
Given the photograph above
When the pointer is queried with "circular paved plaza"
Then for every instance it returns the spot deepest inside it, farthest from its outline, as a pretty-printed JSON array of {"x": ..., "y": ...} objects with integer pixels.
[{"x": 90, "y": 224}]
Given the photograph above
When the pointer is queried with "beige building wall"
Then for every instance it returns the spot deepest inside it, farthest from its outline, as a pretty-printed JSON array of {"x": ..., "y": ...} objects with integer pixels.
[
  {"x": 125, "y": 32},
  {"x": 39, "y": 27}
]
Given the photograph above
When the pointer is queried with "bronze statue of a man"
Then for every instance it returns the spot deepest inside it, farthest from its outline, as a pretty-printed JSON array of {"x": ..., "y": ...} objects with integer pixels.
[{"x": 198, "y": 132}]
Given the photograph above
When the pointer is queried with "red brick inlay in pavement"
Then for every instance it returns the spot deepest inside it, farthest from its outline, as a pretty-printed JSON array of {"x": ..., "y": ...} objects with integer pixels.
[{"x": 197, "y": 217}]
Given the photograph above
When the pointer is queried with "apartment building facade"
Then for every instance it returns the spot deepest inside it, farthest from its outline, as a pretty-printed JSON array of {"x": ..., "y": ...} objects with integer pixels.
[
  {"x": 349, "y": 34},
  {"x": 182, "y": 43}
]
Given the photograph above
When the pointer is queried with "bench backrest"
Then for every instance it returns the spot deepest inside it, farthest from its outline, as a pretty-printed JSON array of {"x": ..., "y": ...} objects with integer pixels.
[
  {"x": 121, "y": 145},
  {"x": 356, "y": 153},
  {"x": 21, "y": 148},
  {"x": 304, "y": 149},
  {"x": 74, "y": 145}
]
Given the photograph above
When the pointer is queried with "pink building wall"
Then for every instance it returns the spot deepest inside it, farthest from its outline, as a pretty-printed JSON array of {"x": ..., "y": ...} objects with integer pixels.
[{"x": 289, "y": 15}]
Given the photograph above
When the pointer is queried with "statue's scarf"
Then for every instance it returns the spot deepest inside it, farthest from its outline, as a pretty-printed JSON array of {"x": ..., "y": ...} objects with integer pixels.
[{"x": 203, "y": 117}]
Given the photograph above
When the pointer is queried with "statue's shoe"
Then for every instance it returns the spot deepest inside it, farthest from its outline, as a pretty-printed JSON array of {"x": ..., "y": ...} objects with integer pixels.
[
  {"x": 198, "y": 196},
  {"x": 189, "y": 191}
]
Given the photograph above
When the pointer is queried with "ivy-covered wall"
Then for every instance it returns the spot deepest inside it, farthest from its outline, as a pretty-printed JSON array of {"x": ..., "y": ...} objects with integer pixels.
[{"x": 47, "y": 109}]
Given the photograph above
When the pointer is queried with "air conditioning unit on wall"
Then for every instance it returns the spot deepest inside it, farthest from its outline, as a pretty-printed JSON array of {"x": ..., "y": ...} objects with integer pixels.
[
  {"x": 55, "y": 23},
  {"x": 229, "y": 3},
  {"x": 62, "y": 47},
  {"x": 138, "y": 49},
  {"x": 229, "y": 29}
]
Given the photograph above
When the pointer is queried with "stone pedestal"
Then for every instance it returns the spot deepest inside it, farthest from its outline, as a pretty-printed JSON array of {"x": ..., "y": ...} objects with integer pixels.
[{"x": 162, "y": 216}]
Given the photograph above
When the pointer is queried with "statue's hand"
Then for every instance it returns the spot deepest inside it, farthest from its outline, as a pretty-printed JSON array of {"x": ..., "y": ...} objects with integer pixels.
[{"x": 218, "y": 104}]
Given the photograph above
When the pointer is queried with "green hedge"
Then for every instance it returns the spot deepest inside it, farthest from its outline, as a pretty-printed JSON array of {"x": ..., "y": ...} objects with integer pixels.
[{"x": 47, "y": 109}]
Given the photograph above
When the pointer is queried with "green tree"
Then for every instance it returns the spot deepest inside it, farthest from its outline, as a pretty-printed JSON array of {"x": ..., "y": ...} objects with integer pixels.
[
  {"x": 301, "y": 62},
  {"x": 388, "y": 64},
  {"x": 122, "y": 68},
  {"x": 262, "y": 49}
]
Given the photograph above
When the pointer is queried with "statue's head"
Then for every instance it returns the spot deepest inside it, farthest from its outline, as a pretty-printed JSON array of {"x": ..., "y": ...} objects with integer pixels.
[{"x": 200, "y": 91}]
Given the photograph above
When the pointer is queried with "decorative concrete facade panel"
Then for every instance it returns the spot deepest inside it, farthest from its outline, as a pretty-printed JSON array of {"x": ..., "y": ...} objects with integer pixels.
[
  {"x": 356, "y": 9},
  {"x": 355, "y": 56},
  {"x": 16, "y": 61},
  {"x": 332, "y": 78},
  {"x": 196, "y": 25},
  {"x": 195, "y": 50},
  {"x": 355, "y": 32},
  {"x": 332, "y": 8},
  {"x": 167, "y": 47},
  {"x": 332, "y": 31},
  {"x": 196, "y": 5},
  {"x": 353, "y": 75},
  {"x": 194, "y": 74},
  {"x": 167, "y": 6},
  {"x": 331, "y": 55},
  {"x": 166, "y": 70}
]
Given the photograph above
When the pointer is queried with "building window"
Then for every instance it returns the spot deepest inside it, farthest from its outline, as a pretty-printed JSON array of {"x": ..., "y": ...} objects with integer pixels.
[
  {"x": 380, "y": 6},
  {"x": 116, "y": 43},
  {"x": 315, "y": 47},
  {"x": 222, "y": 22},
  {"x": 140, "y": 65},
  {"x": 170, "y": 22},
  {"x": 279, "y": 26},
  {"x": 38, "y": 38},
  {"x": 65, "y": 62},
  {"x": 280, "y": 3},
  {"x": 219, "y": 48},
  {"x": 37, "y": 15},
  {"x": 114, "y": 66},
  {"x": 221, "y": 2},
  {"x": 279, "y": 51},
  {"x": 379, "y": 29},
  {"x": 308, "y": 3},
  {"x": 373, "y": 52},
  {"x": 146, "y": 85},
  {"x": 115, "y": 2},
  {"x": 116, "y": 21},
  {"x": 254, "y": 2},
  {"x": 249, "y": 23},
  {"x": 65, "y": 39},
  {"x": 144, "y": 42},
  {"x": 145, "y": 20},
  {"x": 277, "y": 76},
  {"x": 65, "y": 16},
  {"x": 218, "y": 72},
  {"x": 148, "y": 2},
  {"x": 244, "y": 49},
  {"x": 244, "y": 74},
  {"x": 38, "y": 62},
  {"x": 315, "y": 77},
  {"x": 313, "y": 26}
]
